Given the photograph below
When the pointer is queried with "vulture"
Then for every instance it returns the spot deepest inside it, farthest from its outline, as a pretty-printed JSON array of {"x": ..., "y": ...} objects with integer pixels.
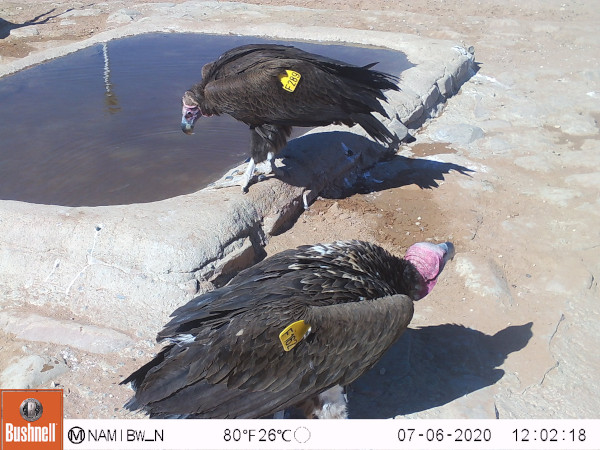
[
  {"x": 273, "y": 88},
  {"x": 286, "y": 332}
]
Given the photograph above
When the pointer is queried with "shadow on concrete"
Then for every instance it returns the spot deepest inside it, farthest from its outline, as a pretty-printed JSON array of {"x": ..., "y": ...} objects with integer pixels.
[
  {"x": 401, "y": 171},
  {"x": 431, "y": 366},
  {"x": 6, "y": 26},
  {"x": 356, "y": 164},
  {"x": 339, "y": 164}
]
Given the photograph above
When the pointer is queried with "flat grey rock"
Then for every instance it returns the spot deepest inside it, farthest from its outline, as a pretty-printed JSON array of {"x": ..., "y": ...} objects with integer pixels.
[
  {"x": 124, "y": 16},
  {"x": 461, "y": 134},
  {"x": 27, "y": 31},
  {"x": 579, "y": 125},
  {"x": 484, "y": 277},
  {"x": 31, "y": 372},
  {"x": 90, "y": 338},
  {"x": 86, "y": 12}
]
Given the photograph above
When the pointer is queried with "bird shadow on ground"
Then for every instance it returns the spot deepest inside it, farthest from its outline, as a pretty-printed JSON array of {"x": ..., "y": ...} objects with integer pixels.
[
  {"x": 402, "y": 171},
  {"x": 6, "y": 26},
  {"x": 339, "y": 164},
  {"x": 431, "y": 366}
]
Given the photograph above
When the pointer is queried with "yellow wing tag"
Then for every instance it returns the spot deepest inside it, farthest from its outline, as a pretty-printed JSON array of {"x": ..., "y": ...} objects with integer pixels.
[
  {"x": 290, "y": 80},
  {"x": 293, "y": 334}
]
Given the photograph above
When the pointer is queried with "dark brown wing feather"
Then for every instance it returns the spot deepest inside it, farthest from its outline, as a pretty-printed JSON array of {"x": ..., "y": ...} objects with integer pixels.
[
  {"x": 255, "y": 377},
  {"x": 226, "y": 360},
  {"x": 246, "y": 57},
  {"x": 244, "y": 83}
]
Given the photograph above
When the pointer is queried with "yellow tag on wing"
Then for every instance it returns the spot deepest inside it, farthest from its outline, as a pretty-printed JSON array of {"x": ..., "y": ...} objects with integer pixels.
[
  {"x": 290, "y": 80},
  {"x": 293, "y": 334}
]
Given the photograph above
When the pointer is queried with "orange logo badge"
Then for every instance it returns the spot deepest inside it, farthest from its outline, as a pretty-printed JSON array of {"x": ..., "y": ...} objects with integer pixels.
[{"x": 31, "y": 419}]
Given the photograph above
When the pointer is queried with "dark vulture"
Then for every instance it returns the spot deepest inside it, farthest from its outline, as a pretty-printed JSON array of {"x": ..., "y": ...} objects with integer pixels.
[
  {"x": 273, "y": 88},
  {"x": 286, "y": 332}
]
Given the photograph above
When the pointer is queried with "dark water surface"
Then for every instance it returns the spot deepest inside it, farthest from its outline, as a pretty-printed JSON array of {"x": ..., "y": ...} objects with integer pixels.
[{"x": 102, "y": 126}]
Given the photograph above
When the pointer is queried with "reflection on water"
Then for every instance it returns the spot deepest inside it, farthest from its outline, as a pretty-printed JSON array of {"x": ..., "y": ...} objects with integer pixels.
[
  {"x": 102, "y": 126},
  {"x": 112, "y": 102}
]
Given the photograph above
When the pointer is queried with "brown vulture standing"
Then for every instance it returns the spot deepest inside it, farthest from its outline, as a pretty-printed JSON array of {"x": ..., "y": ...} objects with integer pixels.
[
  {"x": 273, "y": 88},
  {"x": 286, "y": 332}
]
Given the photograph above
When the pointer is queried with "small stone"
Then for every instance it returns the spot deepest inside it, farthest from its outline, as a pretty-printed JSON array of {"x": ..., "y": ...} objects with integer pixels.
[
  {"x": 124, "y": 16},
  {"x": 190, "y": 287}
]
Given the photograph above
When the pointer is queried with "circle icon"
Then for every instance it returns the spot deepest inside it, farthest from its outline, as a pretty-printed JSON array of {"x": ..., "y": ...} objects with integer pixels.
[
  {"x": 31, "y": 409},
  {"x": 301, "y": 435},
  {"x": 76, "y": 435}
]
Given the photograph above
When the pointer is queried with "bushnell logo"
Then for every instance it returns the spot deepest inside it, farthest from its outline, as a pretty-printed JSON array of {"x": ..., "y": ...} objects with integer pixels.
[
  {"x": 31, "y": 409},
  {"x": 31, "y": 419}
]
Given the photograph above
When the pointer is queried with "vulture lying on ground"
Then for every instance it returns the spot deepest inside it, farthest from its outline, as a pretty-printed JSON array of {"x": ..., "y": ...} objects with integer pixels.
[
  {"x": 286, "y": 332},
  {"x": 273, "y": 88}
]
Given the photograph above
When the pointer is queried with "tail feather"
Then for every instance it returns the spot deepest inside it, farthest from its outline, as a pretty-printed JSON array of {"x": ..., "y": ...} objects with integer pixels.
[
  {"x": 364, "y": 88},
  {"x": 369, "y": 79},
  {"x": 138, "y": 376},
  {"x": 375, "y": 128}
]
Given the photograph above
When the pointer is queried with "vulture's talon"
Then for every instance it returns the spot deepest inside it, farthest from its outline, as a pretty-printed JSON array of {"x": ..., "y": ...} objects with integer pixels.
[{"x": 305, "y": 201}]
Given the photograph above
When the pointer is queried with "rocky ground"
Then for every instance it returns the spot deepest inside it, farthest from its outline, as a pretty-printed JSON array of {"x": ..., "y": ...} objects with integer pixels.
[{"x": 511, "y": 330}]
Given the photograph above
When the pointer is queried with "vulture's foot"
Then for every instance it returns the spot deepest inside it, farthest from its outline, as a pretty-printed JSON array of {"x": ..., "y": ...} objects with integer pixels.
[
  {"x": 277, "y": 172},
  {"x": 236, "y": 178},
  {"x": 331, "y": 404},
  {"x": 305, "y": 201},
  {"x": 268, "y": 167},
  {"x": 244, "y": 180},
  {"x": 247, "y": 176}
]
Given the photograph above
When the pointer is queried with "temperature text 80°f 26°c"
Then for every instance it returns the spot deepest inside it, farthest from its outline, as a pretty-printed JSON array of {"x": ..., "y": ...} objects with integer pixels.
[{"x": 257, "y": 435}]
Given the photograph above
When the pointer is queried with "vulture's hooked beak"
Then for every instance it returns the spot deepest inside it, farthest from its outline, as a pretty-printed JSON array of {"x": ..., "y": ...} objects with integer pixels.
[
  {"x": 429, "y": 259},
  {"x": 189, "y": 115},
  {"x": 449, "y": 251}
]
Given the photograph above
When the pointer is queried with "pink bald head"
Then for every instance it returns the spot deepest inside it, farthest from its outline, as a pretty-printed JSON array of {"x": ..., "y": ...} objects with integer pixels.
[{"x": 429, "y": 259}]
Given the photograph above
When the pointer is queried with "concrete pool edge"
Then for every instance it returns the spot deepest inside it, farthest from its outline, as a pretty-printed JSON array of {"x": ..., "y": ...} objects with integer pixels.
[
  {"x": 213, "y": 17},
  {"x": 121, "y": 266}
]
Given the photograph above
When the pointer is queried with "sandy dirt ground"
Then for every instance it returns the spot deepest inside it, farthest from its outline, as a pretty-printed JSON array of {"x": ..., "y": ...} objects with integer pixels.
[{"x": 523, "y": 214}]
